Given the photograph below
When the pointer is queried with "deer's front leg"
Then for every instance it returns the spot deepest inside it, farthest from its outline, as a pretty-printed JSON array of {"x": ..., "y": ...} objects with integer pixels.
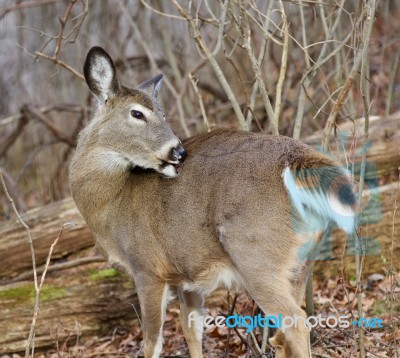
[{"x": 153, "y": 298}]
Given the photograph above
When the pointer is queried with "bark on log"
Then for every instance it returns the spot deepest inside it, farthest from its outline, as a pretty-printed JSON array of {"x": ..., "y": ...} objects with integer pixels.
[
  {"x": 383, "y": 151},
  {"x": 75, "y": 303},
  {"x": 81, "y": 295},
  {"x": 378, "y": 234},
  {"x": 45, "y": 223}
]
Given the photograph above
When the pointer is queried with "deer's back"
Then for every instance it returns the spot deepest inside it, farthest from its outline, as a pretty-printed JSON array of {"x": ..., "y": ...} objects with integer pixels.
[{"x": 230, "y": 179}]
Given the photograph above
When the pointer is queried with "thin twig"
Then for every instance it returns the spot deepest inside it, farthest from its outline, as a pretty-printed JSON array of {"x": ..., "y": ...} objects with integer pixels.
[
  {"x": 36, "y": 309},
  {"x": 260, "y": 59},
  {"x": 173, "y": 62},
  {"x": 311, "y": 71},
  {"x": 391, "y": 270},
  {"x": 282, "y": 72},
  {"x": 340, "y": 101},
  {"x": 254, "y": 344},
  {"x": 26, "y": 227},
  {"x": 301, "y": 104},
  {"x": 30, "y": 342},
  {"x": 30, "y": 242},
  {"x": 161, "y": 13},
  {"x": 364, "y": 83},
  {"x": 224, "y": 8},
  {"x": 60, "y": 37},
  {"x": 61, "y": 63},
  {"x": 63, "y": 21},
  {"x": 26, "y": 5},
  {"x": 201, "y": 104},
  {"x": 73, "y": 34}
]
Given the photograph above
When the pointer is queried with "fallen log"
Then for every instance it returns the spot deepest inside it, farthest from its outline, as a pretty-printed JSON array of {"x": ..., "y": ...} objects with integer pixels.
[
  {"x": 381, "y": 221},
  {"x": 81, "y": 296},
  {"x": 383, "y": 154},
  {"x": 44, "y": 223},
  {"x": 381, "y": 227},
  {"x": 75, "y": 303}
]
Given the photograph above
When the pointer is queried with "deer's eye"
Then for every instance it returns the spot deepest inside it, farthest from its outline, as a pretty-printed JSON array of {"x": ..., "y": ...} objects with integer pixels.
[{"x": 137, "y": 115}]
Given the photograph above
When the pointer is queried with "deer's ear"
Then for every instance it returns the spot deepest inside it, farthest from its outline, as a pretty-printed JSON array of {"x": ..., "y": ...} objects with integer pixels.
[
  {"x": 152, "y": 87},
  {"x": 100, "y": 74}
]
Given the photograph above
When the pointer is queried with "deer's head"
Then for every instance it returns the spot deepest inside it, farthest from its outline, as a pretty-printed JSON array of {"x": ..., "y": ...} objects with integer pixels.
[{"x": 130, "y": 128}]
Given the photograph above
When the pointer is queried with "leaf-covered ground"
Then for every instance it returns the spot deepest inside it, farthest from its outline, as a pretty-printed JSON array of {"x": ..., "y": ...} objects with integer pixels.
[{"x": 381, "y": 299}]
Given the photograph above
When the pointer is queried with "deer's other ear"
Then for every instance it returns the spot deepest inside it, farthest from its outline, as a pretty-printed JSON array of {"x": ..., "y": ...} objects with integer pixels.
[
  {"x": 152, "y": 87},
  {"x": 100, "y": 74}
]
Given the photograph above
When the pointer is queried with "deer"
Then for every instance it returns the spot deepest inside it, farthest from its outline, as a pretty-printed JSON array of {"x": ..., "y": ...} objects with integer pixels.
[{"x": 229, "y": 208}]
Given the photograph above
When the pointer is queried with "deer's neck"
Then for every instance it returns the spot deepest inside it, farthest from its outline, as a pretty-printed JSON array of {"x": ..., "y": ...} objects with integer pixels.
[{"x": 97, "y": 179}]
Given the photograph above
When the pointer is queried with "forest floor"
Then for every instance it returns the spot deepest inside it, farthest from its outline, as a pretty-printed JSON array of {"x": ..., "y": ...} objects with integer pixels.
[{"x": 332, "y": 298}]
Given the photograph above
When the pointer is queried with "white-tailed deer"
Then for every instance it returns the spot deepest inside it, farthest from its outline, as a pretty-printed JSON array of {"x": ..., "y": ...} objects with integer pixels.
[{"x": 242, "y": 209}]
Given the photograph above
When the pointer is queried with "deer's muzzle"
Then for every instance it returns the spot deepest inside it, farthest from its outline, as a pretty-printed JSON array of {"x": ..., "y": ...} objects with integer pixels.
[{"x": 178, "y": 154}]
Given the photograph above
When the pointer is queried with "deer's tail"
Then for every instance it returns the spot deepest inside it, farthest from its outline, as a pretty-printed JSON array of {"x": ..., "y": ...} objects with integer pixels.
[{"x": 321, "y": 189}]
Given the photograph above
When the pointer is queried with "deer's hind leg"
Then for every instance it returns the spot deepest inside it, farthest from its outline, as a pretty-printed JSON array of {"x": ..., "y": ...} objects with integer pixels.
[
  {"x": 266, "y": 270},
  {"x": 292, "y": 340},
  {"x": 312, "y": 241}
]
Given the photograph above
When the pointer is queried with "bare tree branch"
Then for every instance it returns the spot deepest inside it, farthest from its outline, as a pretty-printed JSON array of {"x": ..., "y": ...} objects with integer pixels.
[
  {"x": 74, "y": 32},
  {"x": 282, "y": 72},
  {"x": 365, "y": 91},
  {"x": 25, "y": 5},
  {"x": 29, "y": 110},
  {"x": 149, "y": 54},
  {"x": 247, "y": 45},
  {"x": 214, "y": 64}
]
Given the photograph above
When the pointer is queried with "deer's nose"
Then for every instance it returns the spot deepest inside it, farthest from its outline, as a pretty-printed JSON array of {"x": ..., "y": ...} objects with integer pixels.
[{"x": 178, "y": 153}]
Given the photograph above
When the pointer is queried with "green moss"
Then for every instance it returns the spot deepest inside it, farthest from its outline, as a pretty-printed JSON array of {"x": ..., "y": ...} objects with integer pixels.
[
  {"x": 51, "y": 293},
  {"x": 27, "y": 292},
  {"x": 103, "y": 274},
  {"x": 18, "y": 293}
]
